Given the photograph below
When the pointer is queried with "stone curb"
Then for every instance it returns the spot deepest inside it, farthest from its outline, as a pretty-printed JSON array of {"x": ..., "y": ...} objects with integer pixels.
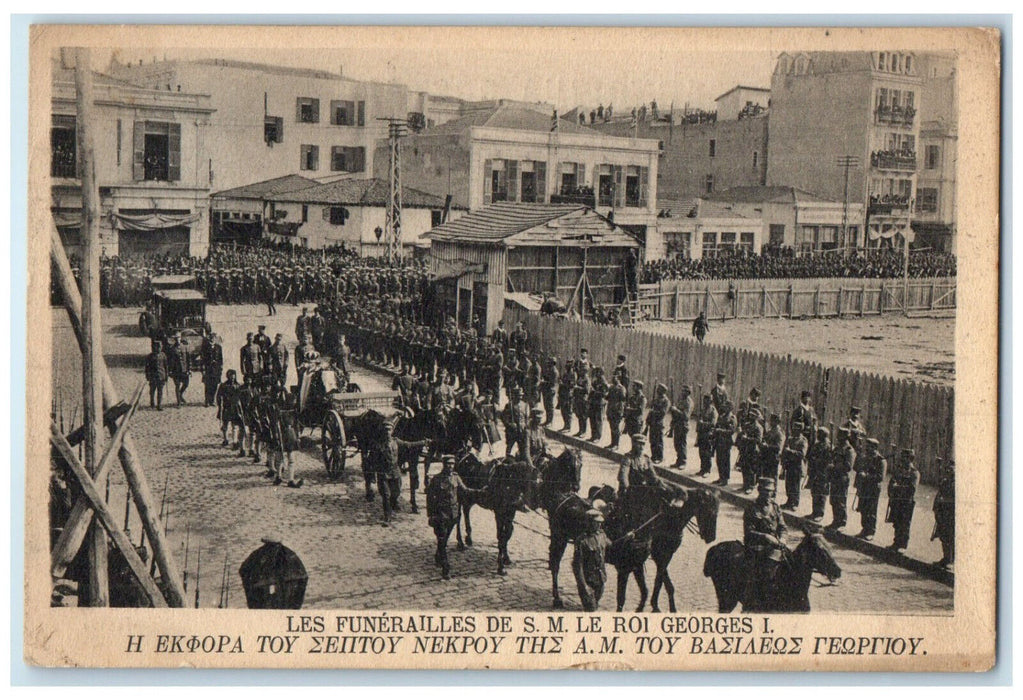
[{"x": 883, "y": 554}]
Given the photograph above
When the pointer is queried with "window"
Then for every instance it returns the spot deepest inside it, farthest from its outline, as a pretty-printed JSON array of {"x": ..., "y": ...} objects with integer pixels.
[
  {"x": 273, "y": 130},
  {"x": 347, "y": 113},
  {"x": 708, "y": 184},
  {"x": 605, "y": 186},
  {"x": 632, "y": 187},
  {"x": 307, "y": 110},
  {"x": 777, "y": 233},
  {"x": 500, "y": 181},
  {"x": 679, "y": 244},
  {"x": 63, "y": 145},
  {"x": 710, "y": 240},
  {"x": 727, "y": 243},
  {"x": 713, "y": 148},
  {"x": 310, "y": 157},
  {"x": 436, "y": 217},
  {"x": 347, "y": 159},
  {"x": 932, "y": 157},
  {"x": 927, "y": 199},
  {"x": 746, "y": 241},
  {"x": 756, "y": 159},
  {"x": 573, "y": 176},
  {"x": 157, "y": 151},
  {"x": 882, "y": 60},
  {"x": 533, "y": 181},
  {"x": 336, "y": 215},
  {"x": 305, "y": 213}
]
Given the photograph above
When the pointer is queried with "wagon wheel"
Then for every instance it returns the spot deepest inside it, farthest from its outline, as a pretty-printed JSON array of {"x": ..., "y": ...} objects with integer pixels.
[{"x": 332, "y": 442}]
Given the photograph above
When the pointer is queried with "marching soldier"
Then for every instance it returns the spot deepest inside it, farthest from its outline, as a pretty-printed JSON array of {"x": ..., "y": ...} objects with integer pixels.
[
  {"x": 580, "y": 398},
  {"x": 250, "y": 358},
  {"x": 549, "y": 388},
  {"x": 515, "y": 417},
  {"x": 818, "y": 467},
  {"x": 843, "y": 460},
  {"x": 724, "y": 433},
  {"x": 700, "y": 327},
  {"x": 384, "y": 464},
  {"x": 902, "y": 498},
  {"x": 597, "y": 404},
  {"x": 679, "y": 431},
  {"x": 770, "y": 449},
  {"x": 156, "y": 375},
  {"x": 748, "y": 441},
  {"x": 302, "y": 324},
  {"x": 635, "y": 407},
  {"x": 659, "y": 409},
  {"x": 286, "y": 440},
  {"x": 870, "y": 472},
  {"x": 616, "y": 395},
  {"x": 705, "y": 435},
  {"x": 212, "y": 367},
  {"x": 278, "y": 361},
  {"x": 944, "y": 509},
  {"x": 229, "y": 411},
  {"x": 444, "y": 495},
  {"x": 588, "y": 560},
  {"x": 178, "y": 367},
  {"x": 792, "y": 465}
]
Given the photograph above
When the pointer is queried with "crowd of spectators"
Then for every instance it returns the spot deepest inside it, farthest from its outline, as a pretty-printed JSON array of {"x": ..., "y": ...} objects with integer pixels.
[{"x": 784, "y": 263}]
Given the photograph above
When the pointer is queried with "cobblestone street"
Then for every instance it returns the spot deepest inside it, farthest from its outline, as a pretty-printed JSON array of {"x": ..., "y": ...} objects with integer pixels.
[{"x": 223, "y": 505}]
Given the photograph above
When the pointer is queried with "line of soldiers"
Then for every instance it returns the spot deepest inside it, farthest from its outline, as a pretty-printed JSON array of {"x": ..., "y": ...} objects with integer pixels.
[{"x": 173, "y": 362}]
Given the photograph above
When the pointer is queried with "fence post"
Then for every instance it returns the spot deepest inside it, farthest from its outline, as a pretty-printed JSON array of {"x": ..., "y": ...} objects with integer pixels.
[
  {"x": 863, "y": 298},
  {"x": 678, "y": 291},
  {"x": 839, "y": 304},
  {"x": 932, "y": 295},
  {"x": 817, "y": 301},
  {"x": 880, "y": 302},
  {"x": 763, "y": 302}
]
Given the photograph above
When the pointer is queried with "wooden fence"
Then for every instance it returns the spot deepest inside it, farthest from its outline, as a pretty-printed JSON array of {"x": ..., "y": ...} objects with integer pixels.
[
  {"x": 683, "y": 300},
  {"x": 895, "y": 411}
]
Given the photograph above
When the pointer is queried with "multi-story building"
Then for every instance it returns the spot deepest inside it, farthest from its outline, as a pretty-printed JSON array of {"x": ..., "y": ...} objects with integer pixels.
[
  {"x": 857, "y": 107},
  {"x": 150, "y": 147},
  {"x": 510, "y": 153},
  {"x": 702, "y": 156},
  {"x": 278, "y": 120},
  {"x": 742, "y": 101},
  {"x": 934, "y": 217}
]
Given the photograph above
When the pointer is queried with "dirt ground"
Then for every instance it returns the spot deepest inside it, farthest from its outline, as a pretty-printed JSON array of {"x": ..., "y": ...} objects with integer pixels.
[{"x": 906, "y": 348}]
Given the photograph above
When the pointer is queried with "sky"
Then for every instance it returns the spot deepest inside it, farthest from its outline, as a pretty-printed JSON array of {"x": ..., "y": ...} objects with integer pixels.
[{"x": 587, "y": 75}]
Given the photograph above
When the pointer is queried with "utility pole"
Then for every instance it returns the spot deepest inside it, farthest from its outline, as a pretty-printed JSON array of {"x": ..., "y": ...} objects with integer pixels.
[
  {"x": 92, "y": 348},
  {"x": 846, "y": 162},
  {"x": 396, "y": 130},
  {"x": 552, "y": 157}
]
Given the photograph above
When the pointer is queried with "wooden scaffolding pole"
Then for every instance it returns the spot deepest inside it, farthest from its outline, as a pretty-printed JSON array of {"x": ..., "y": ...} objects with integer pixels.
[
  {"x": 98, "y": 590},
  {"x": 141, "y": 494}
]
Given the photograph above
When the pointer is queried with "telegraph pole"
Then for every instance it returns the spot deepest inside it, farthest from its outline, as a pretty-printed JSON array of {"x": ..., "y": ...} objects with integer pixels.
[
  {"x": 396, "y": 130},
  {"x": 92, "y": 329},
  {"x": 846, "y": 162}
]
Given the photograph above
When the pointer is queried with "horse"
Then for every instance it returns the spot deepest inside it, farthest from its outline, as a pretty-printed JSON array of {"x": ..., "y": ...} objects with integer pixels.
[
  {"x": 728, "y": 567},
  {"x": 507, "y": 486},
  {"x": 628, "y": 526},
  {"x": 701, "y": 503},
  {"x": 461, "y": 431},
  {"x": 368, "y": 431}
]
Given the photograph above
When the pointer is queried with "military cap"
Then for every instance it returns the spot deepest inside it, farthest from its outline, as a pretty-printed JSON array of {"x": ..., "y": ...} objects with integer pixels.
[
  {"x": 261, "y": 327},
  {"x": 638, "y": 384},
  {"x": 249, "y": 335},
  {"x": 775, "y": 418},
  {"x": 638, "y": 437},
  {"x": 908, "y": 452},
  {"x": 583, "y": 351},
  {"x": 621, "y": 358},
  {"x": 686, "y": 389},
  {"x": 595, "y": 515},
  {"x": 805, "y": 394},
  {"x": 754, "y": 392},
  {"x": 855, "y": 410},
  {"x": 824, "y": 432},
  {"x": 516, "y": 390},
  {"x": 279, "y": 336},
  {"x": 661, "y": 386},
  {"x": 765, "y": 483},
  {"x": 797, "y": 425},
  {"x": 873, "y": 442}
]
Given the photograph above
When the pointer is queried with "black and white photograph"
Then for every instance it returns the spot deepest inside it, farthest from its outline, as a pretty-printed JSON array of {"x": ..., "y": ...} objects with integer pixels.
[{"x": 446, "y": 343}]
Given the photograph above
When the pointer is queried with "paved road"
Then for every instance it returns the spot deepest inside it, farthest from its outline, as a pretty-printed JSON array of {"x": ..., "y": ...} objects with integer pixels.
[{"x": 223, "y": 506}]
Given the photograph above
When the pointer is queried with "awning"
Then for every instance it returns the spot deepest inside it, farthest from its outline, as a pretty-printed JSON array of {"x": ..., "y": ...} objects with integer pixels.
[
  {"x": 151, "y": 222},
  {"x": 876, "y": 231},
  {"x": 448, "y": 269}
]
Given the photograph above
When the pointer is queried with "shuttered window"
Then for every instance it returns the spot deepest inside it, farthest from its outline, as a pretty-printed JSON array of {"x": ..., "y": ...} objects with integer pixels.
[
  {"x": 307, "y": 110},
  {"x": 310, "y": 157},
  {"x": 156, "y": 148},
  {"x": 348, "y": 159}
]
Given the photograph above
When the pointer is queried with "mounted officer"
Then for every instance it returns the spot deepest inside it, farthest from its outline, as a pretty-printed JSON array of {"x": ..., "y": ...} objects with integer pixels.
[
  {"x": 763, "y": 529},
  {"x": 636, "y": 468}
]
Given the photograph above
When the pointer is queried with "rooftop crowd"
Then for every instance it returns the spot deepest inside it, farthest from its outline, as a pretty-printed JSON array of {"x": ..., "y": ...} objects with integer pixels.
[{"x": 784, "y": 263}]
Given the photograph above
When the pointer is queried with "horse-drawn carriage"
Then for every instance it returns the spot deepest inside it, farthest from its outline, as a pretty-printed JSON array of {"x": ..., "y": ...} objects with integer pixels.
[{"x": 328, "y": 399}]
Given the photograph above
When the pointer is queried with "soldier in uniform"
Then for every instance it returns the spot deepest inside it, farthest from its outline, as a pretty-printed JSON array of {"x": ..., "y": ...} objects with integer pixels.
[
  {"x": 763, "y": 528},
  {"x": 212, "y": 367},
  {"x": 597, "y": 404},
  {"x": 588, "y": 560},
  {"x": 679, "y": 431},
  {"x": 405, "y": 384},
  {"x": 583, "y": 363},
  {"x": 751, "y": 435},
  {"x": 659, "y": 409},
  {"x": 636, "y": 468},
  {"x": 302, "y": 324},
  {"x": 444, "y": 495},
  {"x": 251, "y": 359},
  {"x": 549, "y": 388},
  {"x": 902, "y": 498},
  {"x": 537, "y": 452},
  {"x": 229, "y": 410},
  {"x": 616, "y": 394},
  {"x": 818, "y": 467},
  {"x": 770, "y": 449},
  {"x": 500, "y": 336},
  {"x": 805, "y": 415},
  {"x": 519, "y": 338},
  {"x": 270, "y": 295},
  {"x": 700, "y": 327},
  {"x": 792, "y": 458},
  {"x": 285, "y": 416},
  {"x": 635, "y": 407},
  {"x": 156, "y": 375},
  {"x": 705, "y": 435},
  {"x": 944, "y": 509},
  {"x": 724, "y": 433},
  {"x": 384, "y": 464},
  {"x": 621, "y": 371},
  {"x": 278, "y": 361},
  {"x": 565, "y": 387},
  {"x": 870, "y": 472},
  {"x": 580, "y": 398},
  {"x": 515, "y": 417},
  {"x": 857, "y": 431},
  {"x": 719, "y": 393},
  {"x": 178, "y": 367},
  {"x": 843, "y": 459}
]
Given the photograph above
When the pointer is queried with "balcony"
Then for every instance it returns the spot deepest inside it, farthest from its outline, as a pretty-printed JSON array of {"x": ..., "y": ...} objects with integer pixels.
[
  {"x": 895, "y": 116},
  {"x": 575, "y": 195},
  {"x": 888, "y": 204},
  {"x": 893, "y": 160}
]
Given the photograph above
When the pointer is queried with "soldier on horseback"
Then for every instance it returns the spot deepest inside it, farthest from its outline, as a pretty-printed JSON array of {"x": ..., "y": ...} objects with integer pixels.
[
  {"x": 763, "y": 528},
  {"x": 537, "y": 452}
]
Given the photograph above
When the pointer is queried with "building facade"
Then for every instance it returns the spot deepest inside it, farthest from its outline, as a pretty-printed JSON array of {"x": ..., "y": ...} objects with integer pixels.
[
  {"x": 742, "y": 101},
  {"x": 702, "y": 228},
  {"x": 934, "y": 217},
  {"x": 845, "y": 126},
  {"x": 151, "y": 166},
  {"x": 277, "y": 120},
  {"x": 511, "y": 154}
]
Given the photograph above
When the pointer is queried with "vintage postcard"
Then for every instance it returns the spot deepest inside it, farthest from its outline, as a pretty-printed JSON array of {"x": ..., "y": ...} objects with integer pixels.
[{"x": 513, "y": 348}]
